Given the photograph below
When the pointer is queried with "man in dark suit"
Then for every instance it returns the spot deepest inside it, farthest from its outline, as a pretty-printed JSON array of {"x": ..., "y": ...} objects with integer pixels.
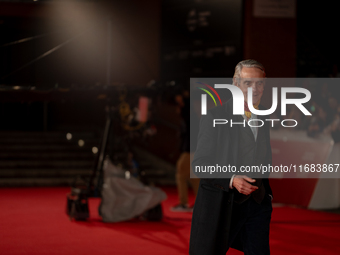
[{"x": 233, "y": 210}]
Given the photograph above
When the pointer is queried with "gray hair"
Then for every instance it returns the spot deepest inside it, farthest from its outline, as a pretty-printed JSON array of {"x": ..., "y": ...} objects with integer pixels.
[{"x": 247, "y": 63}]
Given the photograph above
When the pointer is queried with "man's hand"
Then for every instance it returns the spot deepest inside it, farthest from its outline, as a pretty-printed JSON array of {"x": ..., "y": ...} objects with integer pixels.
[{"x": 242, "y": 184}]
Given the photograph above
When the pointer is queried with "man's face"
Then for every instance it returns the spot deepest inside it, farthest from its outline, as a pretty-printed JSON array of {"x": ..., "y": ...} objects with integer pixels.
[{"x": 251, "y": 77}]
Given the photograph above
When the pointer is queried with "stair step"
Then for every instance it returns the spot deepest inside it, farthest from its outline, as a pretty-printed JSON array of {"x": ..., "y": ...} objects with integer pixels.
[
  {"x": 50, "y": 147},
  {"x": 46, "y": 155},
  {"x": 6, "y": 140},
  {"x": 45, "y": 163},
  {"x": 45, "y": 158},
  {"x": 62, "y": 135},
  {"x": 58, "y": 172},
  {"x": 28, "y": 182}
]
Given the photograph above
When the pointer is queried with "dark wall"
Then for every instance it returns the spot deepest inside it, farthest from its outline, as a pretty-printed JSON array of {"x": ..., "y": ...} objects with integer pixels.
[
  {"x": 200, "y": 38},
  {"x": 137, "y": 29},
  {"x": 272, "y": 41}
]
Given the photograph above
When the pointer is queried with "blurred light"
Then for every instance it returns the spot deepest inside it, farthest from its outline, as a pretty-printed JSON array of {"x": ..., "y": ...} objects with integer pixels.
[
  {"x": 81, "y": 143},
  {"x": 68, "y": 136},
  {"x": 127, "y": 175},
  {"x": 151, "y": 83},
  {"x": 16, "y": 87},
  {"x": 94, "y": 150}
]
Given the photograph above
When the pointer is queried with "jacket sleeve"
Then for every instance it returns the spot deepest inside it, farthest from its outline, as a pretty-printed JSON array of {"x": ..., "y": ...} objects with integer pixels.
[{"x": 206, "y": 151}]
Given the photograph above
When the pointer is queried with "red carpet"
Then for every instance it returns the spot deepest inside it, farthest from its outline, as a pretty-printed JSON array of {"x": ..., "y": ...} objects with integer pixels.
[{"x": 33, "y": 221}]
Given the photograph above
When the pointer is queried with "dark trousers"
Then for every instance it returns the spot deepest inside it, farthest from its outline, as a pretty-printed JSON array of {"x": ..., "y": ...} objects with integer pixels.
[{"x": 250, "y": 224}]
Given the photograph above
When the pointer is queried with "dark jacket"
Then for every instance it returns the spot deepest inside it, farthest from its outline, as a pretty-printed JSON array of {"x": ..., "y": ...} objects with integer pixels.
[{"x": 213, "y": 206}]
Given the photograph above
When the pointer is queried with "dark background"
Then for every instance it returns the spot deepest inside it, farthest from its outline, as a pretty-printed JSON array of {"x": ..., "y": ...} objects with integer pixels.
[{"x": 152, "y": 42}]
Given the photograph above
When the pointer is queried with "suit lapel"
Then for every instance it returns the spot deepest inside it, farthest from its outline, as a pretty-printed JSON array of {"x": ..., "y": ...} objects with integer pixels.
[
  {"x": 246, "y": 128},
  {"x": 234, "y": 131},
  {"x": 261, "y": 130}
]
